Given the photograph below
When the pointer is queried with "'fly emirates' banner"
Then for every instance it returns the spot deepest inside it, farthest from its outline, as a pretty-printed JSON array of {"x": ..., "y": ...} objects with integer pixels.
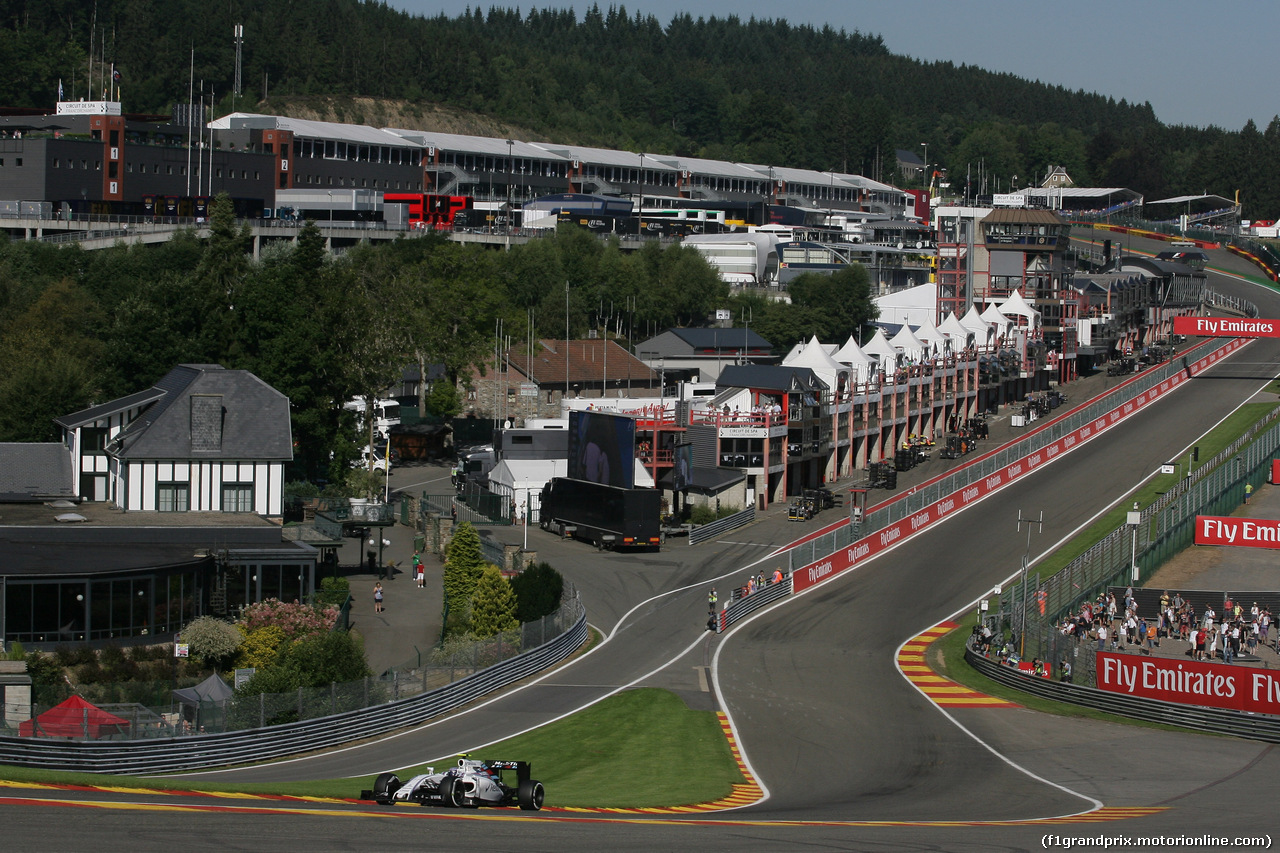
[
  {"x": 1226, "y": 327},
  {"x": 1249, "y": 532},
  {"x": 1212, "y": 685}
]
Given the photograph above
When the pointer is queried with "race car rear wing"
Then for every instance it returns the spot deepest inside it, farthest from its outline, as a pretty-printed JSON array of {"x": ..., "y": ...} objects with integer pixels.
[{"x": 522, "y": 768}]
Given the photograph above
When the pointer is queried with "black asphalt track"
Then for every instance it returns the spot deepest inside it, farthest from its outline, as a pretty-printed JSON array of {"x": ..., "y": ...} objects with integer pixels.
[{"x": 830, "y": 727}]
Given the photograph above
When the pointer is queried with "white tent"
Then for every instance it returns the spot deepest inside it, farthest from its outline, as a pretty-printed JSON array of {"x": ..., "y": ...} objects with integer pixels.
[
  {"x": 997, "y": 318},
  {"x": 981, "y": 328},
  {"x": 852, "y": 355},
  {"x": 643, "y": 476},
  {"x": 880, "y": 349},
  {"x": 814, "y": 356},
  {"x": 910, "y": 306},
  {"x": 796, "y": 350},
  {"x": 959, "y": 335},
  {"x": 523, "y": 480},
  {"x": 935, "y": 342},
  {"x": 912, "y": 347},
  {"x": 1016, "y": 306}
]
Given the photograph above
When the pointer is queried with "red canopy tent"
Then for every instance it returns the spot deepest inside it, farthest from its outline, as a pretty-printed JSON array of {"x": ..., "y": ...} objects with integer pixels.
[{"x": 74, "y": 718}]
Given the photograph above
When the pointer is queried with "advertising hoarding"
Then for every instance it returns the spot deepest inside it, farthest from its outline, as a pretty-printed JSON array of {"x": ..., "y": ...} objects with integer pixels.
[{"x": 1189, "y": 682}]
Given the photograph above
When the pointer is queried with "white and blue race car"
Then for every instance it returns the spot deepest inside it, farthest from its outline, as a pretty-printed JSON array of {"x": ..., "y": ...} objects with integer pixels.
[{"x": 470, "y": 784}]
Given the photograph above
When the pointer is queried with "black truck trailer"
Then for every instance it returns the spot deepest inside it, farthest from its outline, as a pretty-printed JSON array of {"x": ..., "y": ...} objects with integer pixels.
[{"x": 607, "y": 516}]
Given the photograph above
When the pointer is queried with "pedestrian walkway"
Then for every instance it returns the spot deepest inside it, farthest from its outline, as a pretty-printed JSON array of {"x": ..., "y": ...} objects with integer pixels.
[{"x": 409, "y": 626}]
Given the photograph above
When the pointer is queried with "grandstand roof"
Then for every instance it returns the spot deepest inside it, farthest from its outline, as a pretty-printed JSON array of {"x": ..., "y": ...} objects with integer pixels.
[
  {"x": 1221, "y": 201},
  {"x": 358, "y": 133}
]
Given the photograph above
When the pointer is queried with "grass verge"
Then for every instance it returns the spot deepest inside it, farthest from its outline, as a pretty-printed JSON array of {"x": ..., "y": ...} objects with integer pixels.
[
  {"x": 1236, "y": 424},
  {"x": 947, "y": 657},
  {"x": 947, "y": 654},
  {"x": 619, "y": 753}
]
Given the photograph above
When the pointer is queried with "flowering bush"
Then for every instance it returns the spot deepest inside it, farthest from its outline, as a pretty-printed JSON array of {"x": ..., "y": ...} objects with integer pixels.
[
  {"x": 294, "y": 620},
  {"x": 212, "y": 640},
  {"x": 261, "y": 646}
]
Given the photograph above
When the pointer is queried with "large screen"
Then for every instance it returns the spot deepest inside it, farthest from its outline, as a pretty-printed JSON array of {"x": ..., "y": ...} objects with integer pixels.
[
  {"x": 602, "y": 448},
  {"x": 682, "y": 473}
]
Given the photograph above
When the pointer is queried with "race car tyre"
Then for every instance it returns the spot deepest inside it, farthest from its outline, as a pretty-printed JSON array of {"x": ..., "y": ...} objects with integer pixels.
[
  {"x": 384, "y": 786},
  {"x": 531, "y": 795},
  {"x": 458, "y": 794},
  {"x": 446, "y": 792}
]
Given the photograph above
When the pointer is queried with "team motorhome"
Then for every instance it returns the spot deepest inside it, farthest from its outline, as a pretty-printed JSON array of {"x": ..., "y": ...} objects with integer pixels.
[{"x": 386, "y": 414}]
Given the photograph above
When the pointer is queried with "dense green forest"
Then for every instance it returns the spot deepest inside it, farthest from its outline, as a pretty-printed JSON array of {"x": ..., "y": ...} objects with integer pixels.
[
  {"x": 758, "y": 91},
  {"x": 78, "y": 327}
]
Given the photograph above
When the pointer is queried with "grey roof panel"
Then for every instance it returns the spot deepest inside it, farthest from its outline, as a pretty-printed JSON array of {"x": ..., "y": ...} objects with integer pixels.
[
  {"x": 770, "y": 377},
  {"x": 721, "y": 338},
  {"x": 93, "y": 413},
  {"x": 35, "y": 471},
  {"x": 255, "y": 423}
]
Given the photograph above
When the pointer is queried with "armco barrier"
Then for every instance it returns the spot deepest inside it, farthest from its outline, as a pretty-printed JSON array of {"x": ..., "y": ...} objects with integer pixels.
[
  {"x": 146, "y": 757},
  {"x": 721, "y": 525},
  {"x": 1252, "y": 726},
  {"x": 975, "y": 481},
  {"x": 753, "y": 602}
]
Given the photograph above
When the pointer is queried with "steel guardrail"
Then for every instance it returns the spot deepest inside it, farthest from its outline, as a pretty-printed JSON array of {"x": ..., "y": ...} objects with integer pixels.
[
  {"x": 721, "y": 525},
  {"x": 168, "y": 755},
  {"x": 753, "y": 602}
]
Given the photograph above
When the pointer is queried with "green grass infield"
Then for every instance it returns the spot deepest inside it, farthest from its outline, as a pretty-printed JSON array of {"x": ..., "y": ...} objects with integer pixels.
[{"x": 641, "y": 748}]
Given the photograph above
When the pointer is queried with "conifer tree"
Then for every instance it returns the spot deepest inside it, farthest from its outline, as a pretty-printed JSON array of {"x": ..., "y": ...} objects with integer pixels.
[
  {"x": 462, "y": 570},
  {"x": 493, "y": 609}
]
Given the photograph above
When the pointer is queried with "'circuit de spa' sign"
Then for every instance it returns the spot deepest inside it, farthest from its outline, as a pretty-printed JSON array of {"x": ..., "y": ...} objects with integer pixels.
[
  {"x": 1249, "y": 532},
  {"x": 1187, "y": 682}
]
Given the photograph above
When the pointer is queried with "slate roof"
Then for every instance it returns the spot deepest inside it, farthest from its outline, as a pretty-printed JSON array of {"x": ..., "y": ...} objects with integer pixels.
[
  {"x": 723, "y": 339},
  {"x": 93, "y": 413},
  {"x": 770, "y": 377},
  {"x": 31, "y": 471},
  {"x": 200, "y": 411},
  {"x": 587, "y": 363}
]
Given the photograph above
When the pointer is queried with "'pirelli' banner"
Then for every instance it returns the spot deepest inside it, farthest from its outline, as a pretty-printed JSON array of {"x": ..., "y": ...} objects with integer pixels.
[
  {"x": 1229, "y": 327},
  {"x": 1249, "y": 532},
  {"x": 1189, "y": 682}
]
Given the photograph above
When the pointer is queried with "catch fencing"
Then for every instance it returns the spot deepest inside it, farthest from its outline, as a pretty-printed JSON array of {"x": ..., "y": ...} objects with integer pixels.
[{"x": 1166, "y": 528}]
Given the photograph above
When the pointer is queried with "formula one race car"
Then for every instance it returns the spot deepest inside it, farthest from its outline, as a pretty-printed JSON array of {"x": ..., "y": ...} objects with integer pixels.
[{"x": 469, "y": 785}]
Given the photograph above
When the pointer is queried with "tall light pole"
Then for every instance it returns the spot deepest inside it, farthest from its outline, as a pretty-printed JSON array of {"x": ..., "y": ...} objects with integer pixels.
[
  {"x": 1133, "y": 518},
  {"x": 510, "y": 215},
  {"x": 924, "y": 175},
  {"x": 641, "y": 187},
  {"x": 1026, "y": 559}
]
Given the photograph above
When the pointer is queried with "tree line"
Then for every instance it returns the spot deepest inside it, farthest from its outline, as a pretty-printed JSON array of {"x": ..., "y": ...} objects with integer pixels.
[
  {"x": 757, "y": 91},
  {"x": 78, "y": 328}
]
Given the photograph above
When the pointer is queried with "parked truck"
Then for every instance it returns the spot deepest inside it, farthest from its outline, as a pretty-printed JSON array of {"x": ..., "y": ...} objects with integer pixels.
[{"x": 607, "y": 516}]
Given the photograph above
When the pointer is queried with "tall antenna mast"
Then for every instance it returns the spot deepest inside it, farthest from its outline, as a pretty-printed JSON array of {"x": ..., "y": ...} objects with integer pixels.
[
  {"x": 191, "y": 81},
  {"x": 239, "y": 37}
]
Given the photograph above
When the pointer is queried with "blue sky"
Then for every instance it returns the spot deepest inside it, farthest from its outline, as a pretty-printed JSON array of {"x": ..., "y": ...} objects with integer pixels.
[{"x": 1198, "y": 63}]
